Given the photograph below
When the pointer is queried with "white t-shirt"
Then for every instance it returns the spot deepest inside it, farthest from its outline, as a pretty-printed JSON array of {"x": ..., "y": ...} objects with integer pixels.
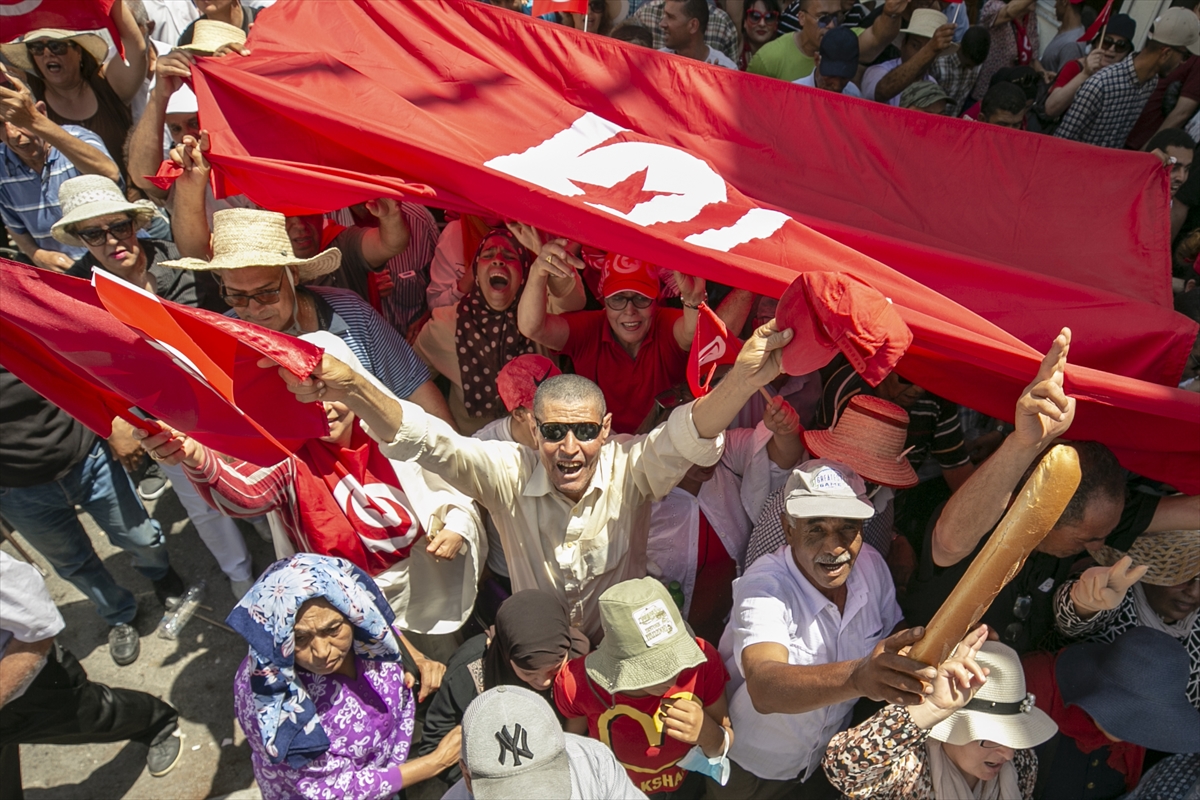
[
  {"x": 851, "y": 90},
  {"x": 27, "y": 613},
  {"x": 774, "y": 602},
  {"x": 874, "y": 75},
  {"x": 595, "y": 774},
  {"x": 715, "y": 56}
]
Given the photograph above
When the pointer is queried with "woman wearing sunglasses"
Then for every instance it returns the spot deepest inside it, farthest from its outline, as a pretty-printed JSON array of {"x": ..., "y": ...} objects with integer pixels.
[
  {"x": 67, "y": 71},
  {"x": 1115, "y": 44},
  {"x": 759, "y": 26}
]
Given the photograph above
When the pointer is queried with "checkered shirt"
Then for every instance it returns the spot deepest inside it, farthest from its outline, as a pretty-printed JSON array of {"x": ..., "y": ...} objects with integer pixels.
[
  {"x": 1107, "y": 106},
  {"x": 721, "y": 34}
]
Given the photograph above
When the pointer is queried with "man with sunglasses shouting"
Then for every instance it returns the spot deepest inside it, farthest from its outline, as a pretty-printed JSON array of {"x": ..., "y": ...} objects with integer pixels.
[{"x": 573, "y": 514}]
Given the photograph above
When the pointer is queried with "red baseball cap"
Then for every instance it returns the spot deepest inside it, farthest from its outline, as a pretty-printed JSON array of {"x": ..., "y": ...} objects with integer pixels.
[
  {"x": 832, "y": 312},
  {"x": 517, "y": 381},
  {"x": 625, "y": 274}
]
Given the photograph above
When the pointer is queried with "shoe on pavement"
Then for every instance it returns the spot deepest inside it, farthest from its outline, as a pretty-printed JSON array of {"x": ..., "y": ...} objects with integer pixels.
[
  {"x": 124, "y": 645},
  {"x": 240, "y": 587},
  {"x": 263, "y": 528},
  {"x": 164, "y": 755},
  {"x": 169, "y": 588},
  {"x": 152, "y": 483}
]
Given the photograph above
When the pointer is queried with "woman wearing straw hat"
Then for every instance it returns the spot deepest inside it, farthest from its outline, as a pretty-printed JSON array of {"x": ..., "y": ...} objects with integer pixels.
[
  {"x": 67, "y": 71},
  {"x": 971, "y": 738},
  {"x": 1107, "y": 600}
]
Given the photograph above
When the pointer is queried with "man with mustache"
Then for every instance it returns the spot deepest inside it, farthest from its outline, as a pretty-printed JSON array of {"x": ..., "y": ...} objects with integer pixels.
[
  {"x": 812, "y": 630},
  {"x": 573, "y": 513}
]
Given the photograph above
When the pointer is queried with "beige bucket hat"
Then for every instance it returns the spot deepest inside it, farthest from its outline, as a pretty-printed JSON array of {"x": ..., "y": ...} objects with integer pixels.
[
  {"x": 208, "y": 35},
  {"x": 18, "y": 56},
  {"x": 251, "y": 237},
  {"x": 91, "y": 196},
  {"x": 1173, "y": 556}
]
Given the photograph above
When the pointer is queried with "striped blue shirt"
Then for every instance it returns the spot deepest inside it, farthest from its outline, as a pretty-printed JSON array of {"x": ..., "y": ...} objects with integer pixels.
[{"x": 29, "y": 202}]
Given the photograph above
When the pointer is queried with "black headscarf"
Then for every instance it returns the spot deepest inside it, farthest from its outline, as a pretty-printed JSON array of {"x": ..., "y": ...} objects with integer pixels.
[{"x": 533, "y": 630}]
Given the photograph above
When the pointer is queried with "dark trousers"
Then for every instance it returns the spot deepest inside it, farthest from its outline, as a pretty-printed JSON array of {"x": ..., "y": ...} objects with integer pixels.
[{"x": 62, "y": 706}]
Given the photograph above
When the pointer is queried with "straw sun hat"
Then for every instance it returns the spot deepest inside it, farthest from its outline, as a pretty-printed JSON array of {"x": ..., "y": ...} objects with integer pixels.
[
  {"x": 16, "y": 53},
  {"x": 869, "y": 436},
  {"x": 1173, "y": 556},
  {"x": 250, "y": 237},
  {"x": 91, "y": 196},
  {"x": 208, "y": 35}
]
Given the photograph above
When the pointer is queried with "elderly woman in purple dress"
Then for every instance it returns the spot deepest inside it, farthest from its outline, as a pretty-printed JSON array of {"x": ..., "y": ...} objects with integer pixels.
[{"x": 323, "y": 697}]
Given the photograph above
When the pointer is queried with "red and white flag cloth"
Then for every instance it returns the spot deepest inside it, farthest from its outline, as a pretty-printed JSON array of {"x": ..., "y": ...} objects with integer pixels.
[
  {"x": 1099, "y": 24},
  {"x": 679, "y": 165},
  {"x": 19, "y": 17},
  {"x": 544, "y": 7},
  {"x": 712, "y": 346},
  {"x": 181, "y": 365}
]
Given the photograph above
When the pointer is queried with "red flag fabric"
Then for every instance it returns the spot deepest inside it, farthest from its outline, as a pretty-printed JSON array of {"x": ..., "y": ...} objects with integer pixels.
[
  {"x": 712, "y": 346},
  {"x": 19, "y": 17},
  {"x": 544, "y": 7},
  {"x": 45, "y": 315},
  {"x": 1099, "y": 24},
  {"x": 637, "y": 154}
]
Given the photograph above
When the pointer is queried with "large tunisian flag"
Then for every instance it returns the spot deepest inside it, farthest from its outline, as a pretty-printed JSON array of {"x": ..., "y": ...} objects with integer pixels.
[
  {"x": 472, "y": 108},
  {"x": 193, "y": 369},
  {"x": 18, "y": 17}
]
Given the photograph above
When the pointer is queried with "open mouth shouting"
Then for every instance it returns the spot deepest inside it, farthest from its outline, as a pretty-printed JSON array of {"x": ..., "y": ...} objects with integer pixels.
[
  {"x": 570, "y": 469},
  {"x": 834, "y": 566},
  {"x": 499, "y": 278}
]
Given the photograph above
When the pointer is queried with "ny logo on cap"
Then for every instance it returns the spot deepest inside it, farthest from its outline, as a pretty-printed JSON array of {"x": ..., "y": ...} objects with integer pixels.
[{"x": 516, "y": 744}]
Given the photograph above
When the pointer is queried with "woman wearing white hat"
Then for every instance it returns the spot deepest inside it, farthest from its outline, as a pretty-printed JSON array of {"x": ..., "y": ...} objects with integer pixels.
[
  {"x": 67, "y": 71},
  {"x": 971, "y": 738}
]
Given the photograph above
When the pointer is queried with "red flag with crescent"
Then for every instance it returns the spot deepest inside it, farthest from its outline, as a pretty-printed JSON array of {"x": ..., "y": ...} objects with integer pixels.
[
  {"x": 712, "y": 346},
  {"x": 19, "y": 17}
]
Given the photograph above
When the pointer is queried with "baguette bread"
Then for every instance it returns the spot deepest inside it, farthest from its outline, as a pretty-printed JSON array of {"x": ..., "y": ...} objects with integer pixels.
[{"x": 1026, "y": 523}]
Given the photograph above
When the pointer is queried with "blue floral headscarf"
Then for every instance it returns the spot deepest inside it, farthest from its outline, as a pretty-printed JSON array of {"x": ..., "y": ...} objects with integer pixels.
[{"x": 287, "y": 718}]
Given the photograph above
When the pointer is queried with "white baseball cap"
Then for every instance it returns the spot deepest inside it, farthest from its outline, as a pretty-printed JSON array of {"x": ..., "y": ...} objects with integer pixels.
[{"x": 826, "y": 488}]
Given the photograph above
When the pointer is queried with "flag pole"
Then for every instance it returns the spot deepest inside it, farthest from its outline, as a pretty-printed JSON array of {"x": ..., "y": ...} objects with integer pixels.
[
  {"x": 957, "y": 6},
  {"x": 585, "y": 16}
]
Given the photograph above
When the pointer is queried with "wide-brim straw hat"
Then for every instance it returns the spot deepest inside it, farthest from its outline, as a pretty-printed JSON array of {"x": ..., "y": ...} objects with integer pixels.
[
  {"x": 91, "y": 196},
  {"x": 1173, "y": 557},
  {"x": 209, "y": 35},
  {"x": 18, "y": 56},
  {"x": 645, "y": 640},
  {"x": 251, "y": 237},
  {"x": 1002, "y": 711},
  {"x": 869, "y": 436}
]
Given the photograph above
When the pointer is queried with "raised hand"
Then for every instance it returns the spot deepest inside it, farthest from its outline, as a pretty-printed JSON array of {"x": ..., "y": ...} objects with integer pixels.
[
  {"x": 780, "y": 418},
  {"x": 958, "y": 679},
  {"x": 761, "y": 359},
  {"x": 1044, "y": 411},
  {"x": 1103, "y": 588},
  {"x": 331, "y": 380},
  {"x": 692, "y": 289}
]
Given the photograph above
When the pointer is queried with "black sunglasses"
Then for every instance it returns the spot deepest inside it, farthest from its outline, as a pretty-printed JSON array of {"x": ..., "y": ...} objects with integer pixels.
[
  {"x": 557, "y": 431},
  {"x": 830, "y": 20},
  {"x": 267, "y": 298},
  {"x": 55, "y": 48},
  {"x": 98, "y": 236},
  {"x": 1120, "y": 45},
  {"x": 1022, "y": 607}
]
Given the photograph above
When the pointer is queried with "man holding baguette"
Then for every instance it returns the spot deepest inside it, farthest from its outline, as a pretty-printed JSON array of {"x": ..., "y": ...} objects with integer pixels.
[{"x": 1098, "y": 513}]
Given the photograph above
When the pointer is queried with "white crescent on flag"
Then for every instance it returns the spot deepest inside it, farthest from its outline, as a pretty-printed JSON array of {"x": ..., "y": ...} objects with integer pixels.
[{"x": 19, "y": 8}]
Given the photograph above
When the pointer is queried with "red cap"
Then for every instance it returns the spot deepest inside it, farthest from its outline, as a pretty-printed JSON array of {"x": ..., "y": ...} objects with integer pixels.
[
  {"x": 830, "y": 312},
  {"x": 625, "y": 274},
  {"x": 517, "y": 381}
]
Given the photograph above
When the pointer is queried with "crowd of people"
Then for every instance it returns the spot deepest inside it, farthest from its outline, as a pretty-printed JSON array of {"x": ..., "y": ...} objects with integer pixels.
[{"x": 653, "y": 593}]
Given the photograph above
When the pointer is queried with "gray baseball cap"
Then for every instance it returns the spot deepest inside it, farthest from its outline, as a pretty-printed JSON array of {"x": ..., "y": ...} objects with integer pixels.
[
  {"x": 513, "y": 746},
  {"x": 826, "y": 488}
]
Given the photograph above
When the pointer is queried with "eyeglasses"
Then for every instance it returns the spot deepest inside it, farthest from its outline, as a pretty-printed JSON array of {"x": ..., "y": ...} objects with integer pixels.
[
  {"x": 762, "y": 16},
  {"x": 831, "y": 20},
  {"x": 987, "y": 744},
  {"x": 557, "y": 431},
  {"x": 268, "y": 298},
  {"x": 1120, "y": 45},
  {"x": 59, "y": 48},
  {"x": 1022, "y": 608},
  {"x": 98, "y": 236},
  {"x": 618, "y": 302}
]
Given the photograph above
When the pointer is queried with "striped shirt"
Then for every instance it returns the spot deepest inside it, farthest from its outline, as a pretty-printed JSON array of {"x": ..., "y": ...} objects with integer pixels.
[
  {"x": 721, "y": 33},
  {"x": 410, "y": 269},
  {"x": 29, "y": 202},
  {"x": 934, "y": 430},
  {"x": 1107, "y": 106}
]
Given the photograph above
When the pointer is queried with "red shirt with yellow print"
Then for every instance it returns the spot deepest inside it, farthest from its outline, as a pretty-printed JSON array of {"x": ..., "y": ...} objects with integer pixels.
[{"x": 632, "y": 726}]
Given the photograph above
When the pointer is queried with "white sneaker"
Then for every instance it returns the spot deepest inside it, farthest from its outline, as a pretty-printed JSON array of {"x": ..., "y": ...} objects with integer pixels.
[{"x": 240, "y": 587}]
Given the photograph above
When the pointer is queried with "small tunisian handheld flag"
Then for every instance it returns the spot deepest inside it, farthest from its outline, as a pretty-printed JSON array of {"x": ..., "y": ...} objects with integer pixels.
[
  {"x": 1099, "y": 24},
  {"x": 543, "y": 7},
  {"x": 19, "y": 17},
  {"x": 57, "y": 336},
  {"x": 712, "y": 346}
]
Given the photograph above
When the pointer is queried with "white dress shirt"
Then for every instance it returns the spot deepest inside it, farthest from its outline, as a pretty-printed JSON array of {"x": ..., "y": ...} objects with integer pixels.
[{"x": 774, "y": 602}]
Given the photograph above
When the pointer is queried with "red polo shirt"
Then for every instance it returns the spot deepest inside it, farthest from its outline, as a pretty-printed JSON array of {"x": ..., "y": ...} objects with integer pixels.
[{"x": 629, "y": 384}]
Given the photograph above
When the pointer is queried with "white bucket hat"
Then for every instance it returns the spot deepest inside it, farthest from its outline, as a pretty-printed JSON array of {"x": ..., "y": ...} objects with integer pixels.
[
  {"x": 1001, "y": 711},
  {"x": 18, "y": 56},
  {"x": 208, "y": 35},
  {"x": 251, "y": 237},
  {"x": 91, "y": 196}
]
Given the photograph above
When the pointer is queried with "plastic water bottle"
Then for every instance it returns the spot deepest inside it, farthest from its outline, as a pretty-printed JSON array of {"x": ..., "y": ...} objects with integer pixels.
[
  {"x": 176, "y": 618},
  {"x": 676, "y": 592}
]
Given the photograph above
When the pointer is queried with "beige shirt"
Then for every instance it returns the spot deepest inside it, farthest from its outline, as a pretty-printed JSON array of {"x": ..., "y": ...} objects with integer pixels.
[{"x": 572, "y": 550}]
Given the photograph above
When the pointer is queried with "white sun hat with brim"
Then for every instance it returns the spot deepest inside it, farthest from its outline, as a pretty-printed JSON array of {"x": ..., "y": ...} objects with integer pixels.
[
  {"x": 251, "y": 237},
  {"x": 88, "y": 197},
  {"x": 18, "y": 56},
  {"x": 1002, "y": 711},
  {"x": 209, "y": 35}
]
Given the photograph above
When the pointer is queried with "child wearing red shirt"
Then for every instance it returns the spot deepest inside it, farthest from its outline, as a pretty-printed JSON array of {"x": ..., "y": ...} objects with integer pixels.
[{"x": 652, "y": 693}]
